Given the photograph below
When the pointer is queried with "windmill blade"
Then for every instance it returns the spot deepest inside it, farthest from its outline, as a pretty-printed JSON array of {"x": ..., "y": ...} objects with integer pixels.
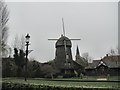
[
  {"x": 75, "y": 39},
  {"x": 52, "y": 39},
  {"x": 63, "y": 27},
  {"x": 66, "y": 40}
]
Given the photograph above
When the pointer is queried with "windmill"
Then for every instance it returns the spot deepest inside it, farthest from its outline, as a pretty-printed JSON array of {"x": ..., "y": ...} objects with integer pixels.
[{"x": 65, "y": 41}]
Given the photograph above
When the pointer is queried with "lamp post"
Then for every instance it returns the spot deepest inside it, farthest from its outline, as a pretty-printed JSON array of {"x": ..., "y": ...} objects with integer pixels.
[{"x": 26, "y": 58}]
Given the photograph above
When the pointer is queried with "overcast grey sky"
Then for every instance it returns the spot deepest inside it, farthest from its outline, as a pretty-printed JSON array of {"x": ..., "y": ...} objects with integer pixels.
[{"x": 96, "y": 23}]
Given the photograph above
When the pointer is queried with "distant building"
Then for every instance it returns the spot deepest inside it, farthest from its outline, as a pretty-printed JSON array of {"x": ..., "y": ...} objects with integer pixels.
[{"x": 107, "y": 65}]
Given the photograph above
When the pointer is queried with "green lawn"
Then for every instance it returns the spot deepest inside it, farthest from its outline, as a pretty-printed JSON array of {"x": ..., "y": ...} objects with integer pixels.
[
  {"x": 63, "y": 83},
  {"x": 90, "y": 78}
]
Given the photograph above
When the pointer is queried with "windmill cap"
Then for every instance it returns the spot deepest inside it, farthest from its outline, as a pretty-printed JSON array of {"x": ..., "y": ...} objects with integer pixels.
[{"x": 60, "y": 41}]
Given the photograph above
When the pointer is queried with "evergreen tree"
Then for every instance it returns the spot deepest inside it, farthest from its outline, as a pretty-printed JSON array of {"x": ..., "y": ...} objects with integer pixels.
[
  {"x": 20, "y": 61},
  {"x": 16, "y": 56}
]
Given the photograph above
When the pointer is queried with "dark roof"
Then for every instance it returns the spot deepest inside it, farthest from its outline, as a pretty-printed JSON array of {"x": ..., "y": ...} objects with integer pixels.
[
  {"x": 77, "y": 51},
  {"x": 82, "y": 61},
  {"x": 109, "y": 61},
  {"x": 73, "y": 65},
  {"x": 93, "y": 64},
  {"x": 7, "y": 59},
  {"x": 112, "y": 61},
  {"x": 77, "y": 65},
  {"x": 60, "y": 41}
]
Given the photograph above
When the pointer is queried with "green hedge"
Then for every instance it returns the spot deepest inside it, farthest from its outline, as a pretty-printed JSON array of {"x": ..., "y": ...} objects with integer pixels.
[{"x": 20, "y": 86}]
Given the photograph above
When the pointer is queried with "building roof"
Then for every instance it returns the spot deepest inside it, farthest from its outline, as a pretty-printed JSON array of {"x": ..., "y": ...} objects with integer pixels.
[
  {"x": 77, "y": 51},
  {"x": 112, "y": 61},
  {"x": 109, "y": 61},
  {"x": 73, "y": 65},
  {"x": 80, "y": 60}
]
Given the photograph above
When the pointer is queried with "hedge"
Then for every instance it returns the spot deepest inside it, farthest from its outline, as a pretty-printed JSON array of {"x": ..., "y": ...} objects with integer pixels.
[{"x": 21, "y": 86}]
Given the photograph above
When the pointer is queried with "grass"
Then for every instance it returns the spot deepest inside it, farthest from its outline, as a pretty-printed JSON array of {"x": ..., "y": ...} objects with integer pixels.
[
  {"x": 63, "y": 83},
  {"x": 89, "y": 78}
]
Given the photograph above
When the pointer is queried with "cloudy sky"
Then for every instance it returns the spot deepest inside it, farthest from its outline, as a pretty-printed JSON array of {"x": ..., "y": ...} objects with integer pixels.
[{"x": 96, "y": 23}]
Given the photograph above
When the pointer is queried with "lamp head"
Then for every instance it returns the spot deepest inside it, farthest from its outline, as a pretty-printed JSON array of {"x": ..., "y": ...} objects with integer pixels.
[{"x": 27, "y": 38}]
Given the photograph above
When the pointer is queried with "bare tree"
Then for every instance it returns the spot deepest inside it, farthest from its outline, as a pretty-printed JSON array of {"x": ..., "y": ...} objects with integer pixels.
[
  {"x": 16, "y": 42},
  {"x": 114, "y": 51},
  {"x": 4, "y": 17},
  {"x": 22, "y": 43},
  {"x": 118, "y": 50},
  {"x": 19, "y": 43},
  {"x": 87, "y": 57}
]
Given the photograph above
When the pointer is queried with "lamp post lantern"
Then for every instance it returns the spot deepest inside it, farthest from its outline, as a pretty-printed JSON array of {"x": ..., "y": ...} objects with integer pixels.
[{"x": 26, "y": 58}]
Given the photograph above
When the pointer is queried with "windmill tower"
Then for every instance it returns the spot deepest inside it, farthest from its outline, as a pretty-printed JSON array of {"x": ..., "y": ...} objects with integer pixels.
[{"x": 63, "y": 56}]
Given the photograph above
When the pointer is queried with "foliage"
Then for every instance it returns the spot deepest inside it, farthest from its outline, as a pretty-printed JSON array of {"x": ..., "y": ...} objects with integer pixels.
[
  {"x": 48, "y": 71},
  {"x": 19, "y": 57},
  {"x": 34, "y": 69},
  {"x": 43, "y": 70},
  {"x": 14, "y": 67},
  {"x": 50, "y": 84},
  {"x": 108, "y": 76},
  {"x": 9, "y": 68},
  {"x": 81, "y": 76},
  {"x": 16, "y": 56},
  {"x": 20, "y": 61},
  {"x": 87, "y": 57}
]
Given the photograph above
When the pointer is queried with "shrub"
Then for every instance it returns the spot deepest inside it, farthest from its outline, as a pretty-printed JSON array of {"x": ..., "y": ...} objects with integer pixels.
[{"x": 81, "y": 76}]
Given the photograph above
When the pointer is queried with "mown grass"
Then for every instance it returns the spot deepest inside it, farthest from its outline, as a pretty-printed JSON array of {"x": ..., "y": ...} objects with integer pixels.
[
  {"x": 90, "y": 78},
  {"x": 63, "y": 83}
]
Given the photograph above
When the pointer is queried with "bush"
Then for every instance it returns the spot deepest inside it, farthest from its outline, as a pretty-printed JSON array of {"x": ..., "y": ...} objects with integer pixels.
[
  {"x": 108, "y": 76},
  {"x": 81, "y": 76}
]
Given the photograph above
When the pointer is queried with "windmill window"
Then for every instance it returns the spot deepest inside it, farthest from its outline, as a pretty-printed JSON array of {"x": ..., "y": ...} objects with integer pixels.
[{"x": 67, "y": 56}]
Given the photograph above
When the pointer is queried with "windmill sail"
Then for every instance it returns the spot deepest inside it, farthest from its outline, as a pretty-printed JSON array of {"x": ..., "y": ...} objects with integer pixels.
[
  {"x": 63, "y": 27},
  {"x": 66, "y": 57}
]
